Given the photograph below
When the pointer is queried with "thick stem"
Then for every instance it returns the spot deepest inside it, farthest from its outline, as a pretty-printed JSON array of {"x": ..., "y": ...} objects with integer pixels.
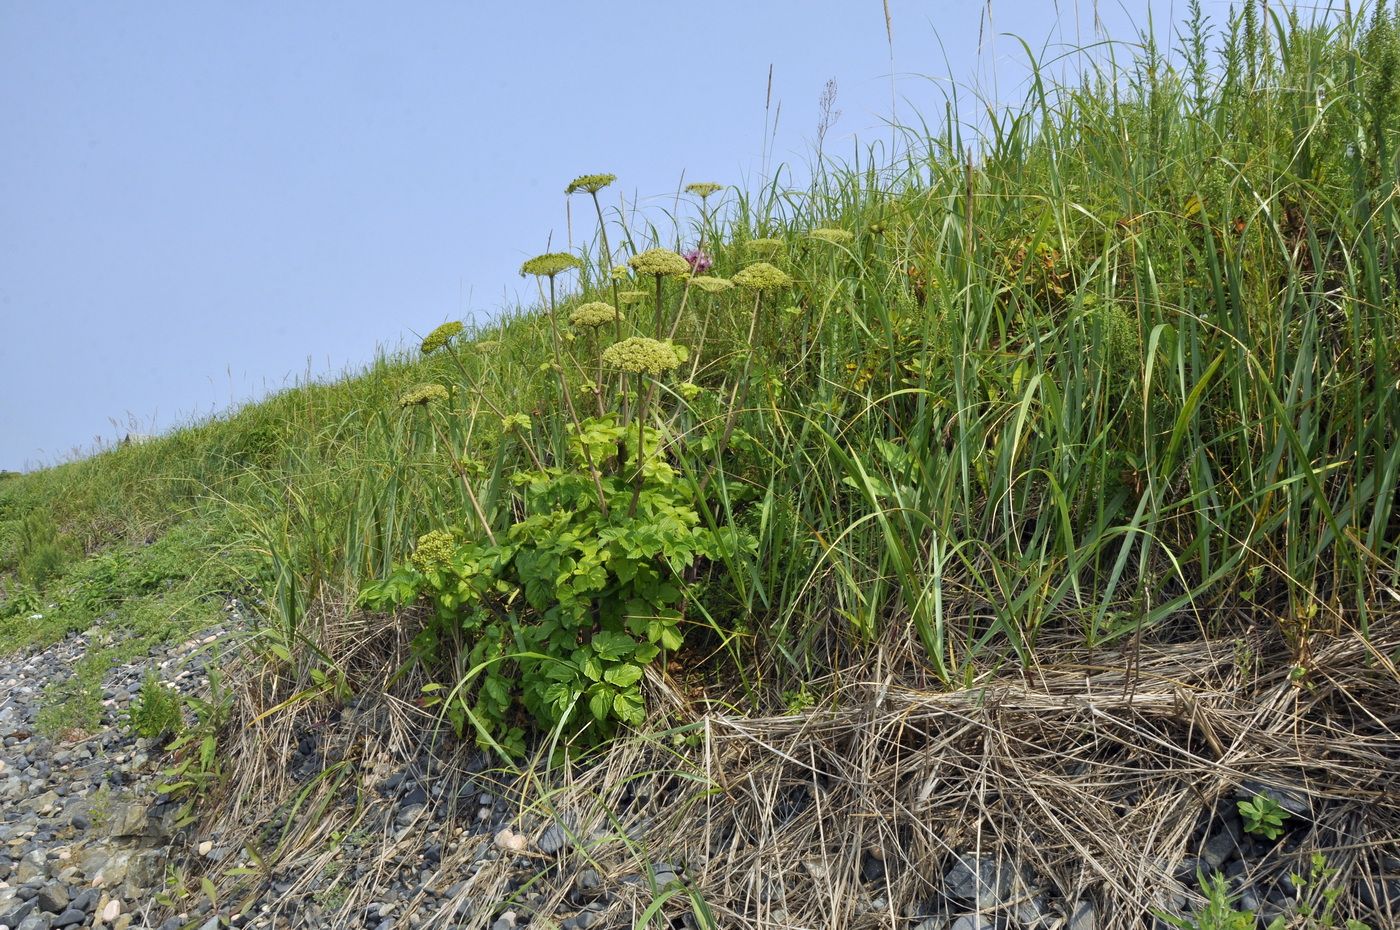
[
  {"x": 569, "y": 400},
  {"x": 732, "y": 412}
]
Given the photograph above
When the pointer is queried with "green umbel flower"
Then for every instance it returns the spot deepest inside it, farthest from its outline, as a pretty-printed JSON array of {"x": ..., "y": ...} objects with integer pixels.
[
  {"x": 590, "y": 183},
  {"x": 631, "y": 297},
  {"x": 440, "y": 337},
  {"x": 711, "y": 285},
  {"x": 689, "y": 390},
  {"x": 594, "y": 313},
  {"x": 423, "y": 395},
  {"x": 550, "y": 264},
  {"x": 620, "y": 273},
  {"x": 834, "y": 236},
  {"x": 764, "y": 246},
  {"x": 761, "y": 276},
  {"x": 516, "y": 422},
  {"x": 660, "y": 262},
  {"x": 642, "y": 355},
  {"x": 703, "y": 189},
  {"x": 434, "y": 551}
]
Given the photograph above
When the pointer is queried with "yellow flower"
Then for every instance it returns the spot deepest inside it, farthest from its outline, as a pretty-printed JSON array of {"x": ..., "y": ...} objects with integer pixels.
[
  {"x": 642, "y": 355},
  {"x": 550, "y": 264},
  {"x": 703, "y": 189},
  {"x": 834, "y": 236},
  {"x": 591, "y": 183},
  {"x": 660, "y": 262},
  {"x": 423, "y": 395},
  {"x": 440, "y": 337},
  {"x": 761, "y": 276},
  {"x": 764, "y": 246},
  {"x": 711, "y": 285},
  {"x": 434, "y": 551},
  {"x": 594, "y": 313}
]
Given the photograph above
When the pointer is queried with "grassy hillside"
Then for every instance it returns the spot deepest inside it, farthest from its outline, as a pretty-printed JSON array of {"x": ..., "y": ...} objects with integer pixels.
[{"x": 1122, "y": 368}]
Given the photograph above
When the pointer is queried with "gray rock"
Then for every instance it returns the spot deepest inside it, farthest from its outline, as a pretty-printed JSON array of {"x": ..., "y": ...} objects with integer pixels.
[
  {"x": 53, "y": 898},
  {"x": 211, "y": 924},
  {"x": 34, "y": 866},
  {"x": 69, "y": 918},
  {"x": 973, "y": 922},
  {"x": 34, "y": 922},
  {"x": 932, "y": 923},
  {"x": 1217, "y": 849},
  {"x": 984, "y": 880},
  {"x": 553, "y": 840},
  {"x": 1083, "y": 917}
]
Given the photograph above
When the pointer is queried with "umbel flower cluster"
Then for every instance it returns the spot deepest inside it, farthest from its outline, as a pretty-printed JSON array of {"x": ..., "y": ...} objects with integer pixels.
[
  {"x": 550, "y": 264},
  {"x": 660, "y": 262},
  {"x": 641, "y": 355},
  {"x": 834, "y": 236},
  {"x": 440, "y": 337},
  {"x": 593, "y": 314},
  {"x": 590, "y": 183},
  {"x": 704, "y": 189},
  {"x": 422, "y": 395},
  {"x": 434, "y": 551},
  {"x": 761, "y": 276}
]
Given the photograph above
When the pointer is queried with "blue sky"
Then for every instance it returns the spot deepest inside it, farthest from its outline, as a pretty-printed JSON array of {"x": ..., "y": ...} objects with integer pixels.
[{"x": 203, "y": 202}]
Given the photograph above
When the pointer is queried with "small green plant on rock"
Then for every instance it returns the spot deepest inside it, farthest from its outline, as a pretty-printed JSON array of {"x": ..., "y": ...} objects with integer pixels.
[
  {"x": 1263, "y": 816},
  {"x": 155, "y": 711}
]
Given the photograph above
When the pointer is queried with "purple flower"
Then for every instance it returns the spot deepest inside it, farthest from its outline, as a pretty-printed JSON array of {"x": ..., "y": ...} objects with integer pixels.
[{"x": 700, "y": 262}]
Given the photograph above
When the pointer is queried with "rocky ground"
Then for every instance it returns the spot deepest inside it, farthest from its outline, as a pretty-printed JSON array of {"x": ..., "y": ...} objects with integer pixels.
[
  {"x": 83, "y": 834},
  {"x": 410, "y": 841}
]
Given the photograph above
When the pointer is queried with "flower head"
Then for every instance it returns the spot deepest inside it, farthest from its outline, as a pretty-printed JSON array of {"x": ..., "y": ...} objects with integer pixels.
[
  {"x": 660, "y": 262},
  {"x": 761, "y": 276},
  {"x": 699, "y": 260},
  {"x": 550, "y": 264},
  {"x": 594, "y": 313},
  {"x": 515, "y": 422},
  {"x": 440, "y": 337},
  {"x": 834, "y": 236},
  {"x": 703, "y": 189},
  {"x": 765, "y": 246},
  {"x": 620, "y": 273},
  {"x": 631, "y": 297},
  {"x": 689, "y": 390},
  {"x": 423, "y": 395},
  {"x": 434, "y": 551},
  {"x": 590, "y": 183},
  {"x": 640, "y": 354},
  {"x": 711, "y": 284}
]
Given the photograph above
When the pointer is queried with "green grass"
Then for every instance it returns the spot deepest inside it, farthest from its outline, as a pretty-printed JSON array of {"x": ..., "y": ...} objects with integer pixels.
[{"x": 1128, "y": 368}]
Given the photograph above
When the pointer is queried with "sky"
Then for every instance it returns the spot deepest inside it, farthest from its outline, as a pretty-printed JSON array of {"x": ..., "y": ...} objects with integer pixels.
[{"x": 203, "y": 202}]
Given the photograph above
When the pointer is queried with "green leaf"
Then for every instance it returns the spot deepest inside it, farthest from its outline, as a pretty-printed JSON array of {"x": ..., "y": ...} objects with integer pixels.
[{"x": 624, "y": 676}]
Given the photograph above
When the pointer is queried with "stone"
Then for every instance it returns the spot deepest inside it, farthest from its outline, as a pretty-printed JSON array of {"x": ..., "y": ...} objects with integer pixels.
[
  {"x": 552, "y": 840},
  {"x": 110, "y": 911},
  {"x": 146, "y": 870},
  {"x": 932, "y": 923},
  {"x": 53, "y": 898},
  {"x": 1083, "y": 917},
  {"x": 69, "y": 918},
  {"x": 985, "y": 881},
  {"x": 1217, "y": 849},
  {"x": 973, "y": 922},
  {"x": 34, "y": 922}
]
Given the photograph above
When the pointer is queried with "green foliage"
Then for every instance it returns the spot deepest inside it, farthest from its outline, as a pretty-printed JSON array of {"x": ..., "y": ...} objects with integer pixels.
[
  {"x": 155, "y": 711},
  {"x": 1263, "y": 816},
  {"x": 198, "y": 767},
  {"x": 564, "y": 616},
  {"x": 1219, "y": 913}
]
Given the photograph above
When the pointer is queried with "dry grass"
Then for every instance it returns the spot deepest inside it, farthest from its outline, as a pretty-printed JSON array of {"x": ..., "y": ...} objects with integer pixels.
[{"x": 1093, "y": 780}]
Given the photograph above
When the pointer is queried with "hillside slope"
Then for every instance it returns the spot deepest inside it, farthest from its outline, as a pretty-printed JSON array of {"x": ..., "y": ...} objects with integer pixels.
[{"x": 1031, "y": 500}]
